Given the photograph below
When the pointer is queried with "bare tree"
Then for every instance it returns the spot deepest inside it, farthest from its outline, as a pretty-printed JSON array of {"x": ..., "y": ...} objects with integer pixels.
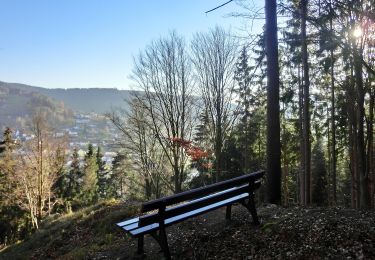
[
  {"x": 143, "y": 150},
  {"x": 163, "y": 72},
  {"x": 214, "y": 58},
  {"x": 41, "y": 160}
]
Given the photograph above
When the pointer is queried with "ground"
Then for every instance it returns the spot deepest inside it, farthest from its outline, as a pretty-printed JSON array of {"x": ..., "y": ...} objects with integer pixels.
[{"x": 292, "y": 233}]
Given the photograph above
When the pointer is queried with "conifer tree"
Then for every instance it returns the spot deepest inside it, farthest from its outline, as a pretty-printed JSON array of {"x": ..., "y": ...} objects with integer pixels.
[
  {"x": 117, "y": 183},
  {"x": 71, "y": 181},
  {"x": 89, "y": 185},
  {"x": 101, "y": 175},
  {"x": 7, "y": 168},
  {"x": 242, "y": 76}
]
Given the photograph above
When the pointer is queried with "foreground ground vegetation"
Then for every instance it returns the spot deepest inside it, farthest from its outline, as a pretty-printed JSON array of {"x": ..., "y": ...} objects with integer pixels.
[{"x": 293, "y": 233}]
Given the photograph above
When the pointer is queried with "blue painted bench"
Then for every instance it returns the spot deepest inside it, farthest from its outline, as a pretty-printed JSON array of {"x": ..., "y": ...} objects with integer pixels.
[{"x": 160, "y": 213}]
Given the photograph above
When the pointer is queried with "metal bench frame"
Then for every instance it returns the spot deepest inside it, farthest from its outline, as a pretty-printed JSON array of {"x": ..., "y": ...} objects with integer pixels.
[{"x": 181, "y": 206}]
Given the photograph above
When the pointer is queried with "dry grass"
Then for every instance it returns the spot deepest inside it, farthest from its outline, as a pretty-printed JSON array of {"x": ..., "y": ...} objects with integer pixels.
[{"x": 76, "y": 235}]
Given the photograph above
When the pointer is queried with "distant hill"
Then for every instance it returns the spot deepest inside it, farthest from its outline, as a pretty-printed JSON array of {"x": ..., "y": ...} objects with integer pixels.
[
  {"x": 98, "y": 100},
  {"x": 18, "y": 102}
]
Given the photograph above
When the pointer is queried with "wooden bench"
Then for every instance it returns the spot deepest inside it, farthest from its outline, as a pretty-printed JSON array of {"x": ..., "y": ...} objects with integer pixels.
[{"x": 176, "y": 208}]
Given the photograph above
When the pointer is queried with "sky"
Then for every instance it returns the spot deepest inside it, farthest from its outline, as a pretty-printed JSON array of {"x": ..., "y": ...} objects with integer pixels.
[{"x": 91, "y": 43}]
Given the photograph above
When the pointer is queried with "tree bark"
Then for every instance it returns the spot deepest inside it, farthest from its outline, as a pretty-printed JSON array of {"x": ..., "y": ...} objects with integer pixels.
[
  {"x": 360, "y": 111},
  {"x": 370, "y": 152},
  {"x": 306, "y": 104},
  {"x": 333, "y": 124},
  {"x": 273, "y": 107}
]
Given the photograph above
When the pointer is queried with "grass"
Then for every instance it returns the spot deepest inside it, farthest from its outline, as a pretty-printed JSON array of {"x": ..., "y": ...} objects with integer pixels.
[{"x": 76, "y": 235}]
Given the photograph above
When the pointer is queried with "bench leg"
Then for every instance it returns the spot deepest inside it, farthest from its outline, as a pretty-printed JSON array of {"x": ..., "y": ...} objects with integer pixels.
[
  {"x": 164, "y": 243},
  {"x": 140, "y": 245},
  {"x": 253, "y": 210},
  {"x": 228, "y": 212}
]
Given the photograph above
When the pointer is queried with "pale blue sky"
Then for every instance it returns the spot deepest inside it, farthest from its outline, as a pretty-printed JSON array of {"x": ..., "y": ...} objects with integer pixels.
[{"x": 90, "y": 43}]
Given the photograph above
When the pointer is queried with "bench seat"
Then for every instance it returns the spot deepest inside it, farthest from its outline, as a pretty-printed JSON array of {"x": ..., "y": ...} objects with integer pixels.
[
  {"x": 161, "y": 213},
  {"x": 132, "y": 225}
]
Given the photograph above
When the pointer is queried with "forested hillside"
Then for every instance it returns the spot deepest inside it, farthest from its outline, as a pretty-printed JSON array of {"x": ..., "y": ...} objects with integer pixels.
[
  {"x": 18, "y": 103},
  {"x": 98, "y": 100}
]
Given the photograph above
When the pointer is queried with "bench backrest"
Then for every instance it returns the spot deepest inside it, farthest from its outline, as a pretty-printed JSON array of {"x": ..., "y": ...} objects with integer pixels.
[{"x": 201, "y": 197}]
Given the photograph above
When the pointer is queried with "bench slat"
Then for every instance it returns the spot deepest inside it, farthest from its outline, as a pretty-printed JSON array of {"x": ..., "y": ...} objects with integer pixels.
[
  {"x": 138, "y": 222},
  {"x": 179, "y": 209},
  {"x": 172, "y": 220},
  {"x": 194, "y": 204},
  {"x": 199, "y": 192},
  {"x": 131, "y": 226},
  {"x": 210, "y": 200},
  {"x": 128, "y": 222}
]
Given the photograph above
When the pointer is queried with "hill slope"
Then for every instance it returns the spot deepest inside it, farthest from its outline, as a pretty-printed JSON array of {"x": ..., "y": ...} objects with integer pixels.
[
  {"x": 98, "y": 100},
  {"x": 292, "y": 233},
  {"x": 18, "y": 103}
]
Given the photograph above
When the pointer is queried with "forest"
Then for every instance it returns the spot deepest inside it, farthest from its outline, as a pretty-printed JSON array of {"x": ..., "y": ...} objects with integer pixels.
[{"x": 201, "y": 116}]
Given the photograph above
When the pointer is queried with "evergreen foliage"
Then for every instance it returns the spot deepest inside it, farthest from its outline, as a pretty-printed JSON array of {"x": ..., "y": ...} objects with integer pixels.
[
  {"x": 13, "y": 220},
  {"x": 89, "y": 184},
  {"x": 117, "y": 186},
  {"x": 69, "y": 183},
  {"x": 102, "y": 175}
]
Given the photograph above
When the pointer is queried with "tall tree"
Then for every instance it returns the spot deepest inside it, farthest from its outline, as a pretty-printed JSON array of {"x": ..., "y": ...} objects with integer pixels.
[
  {"x": 273, "y": 107},
  {"x": 148, "y": 157},
  {"x": 333, "y": 110},
  {"x": 306, "y": 104},
  {"x": 7, "y": 167},
  {"x": 71, "y": 180},
  {"x": 13, "y": 219},
  {"x": 118, "y": 186},
  {"x": 101, "y": 174},
  {"x": 89, "y": 184},
  {"x": 246, "y": 101},
  {"x": 163, "y": 72},
  {"x": 41, "y": 162},
  {"x": 214, "y": 58}
]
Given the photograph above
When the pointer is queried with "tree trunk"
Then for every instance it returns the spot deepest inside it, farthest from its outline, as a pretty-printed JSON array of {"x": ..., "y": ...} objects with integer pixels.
[
  {"x": 40, "y": 173},
  {"x": 306, "y": 103},
  {"x": 333, "y": 125},
  {"x": 273, "y": 110},
  {"x": 361, "y": 149},
  {"x": 300, "y": 124},
  {"x": 370, "y": 133},
  {"x": 218, "y": 140}
]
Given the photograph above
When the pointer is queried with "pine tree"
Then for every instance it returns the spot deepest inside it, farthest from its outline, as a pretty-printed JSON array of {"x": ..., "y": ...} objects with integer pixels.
[
  {"x": 101, "y": 175},
  {"x": 242, "y": 76},
  {"x": 73, "y": 176},
  {"x": 117, "y": 183},
  {"x": 7, "y": 165},
  {"x": 11, "y": 216},
  {"x": 89, "y": 185},
  {"x": 202, "y": 131},
  {"x": 67, "y": 185},
  {"x": 8, "y": 142}
]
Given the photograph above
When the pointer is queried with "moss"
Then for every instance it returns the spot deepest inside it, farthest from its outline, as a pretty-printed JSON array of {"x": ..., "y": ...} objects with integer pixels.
[{"x": 268, "y": 227}]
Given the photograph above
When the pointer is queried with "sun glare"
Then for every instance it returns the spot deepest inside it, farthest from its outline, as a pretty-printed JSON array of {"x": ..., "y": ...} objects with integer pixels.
[{"x": 357, "y": 32}]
